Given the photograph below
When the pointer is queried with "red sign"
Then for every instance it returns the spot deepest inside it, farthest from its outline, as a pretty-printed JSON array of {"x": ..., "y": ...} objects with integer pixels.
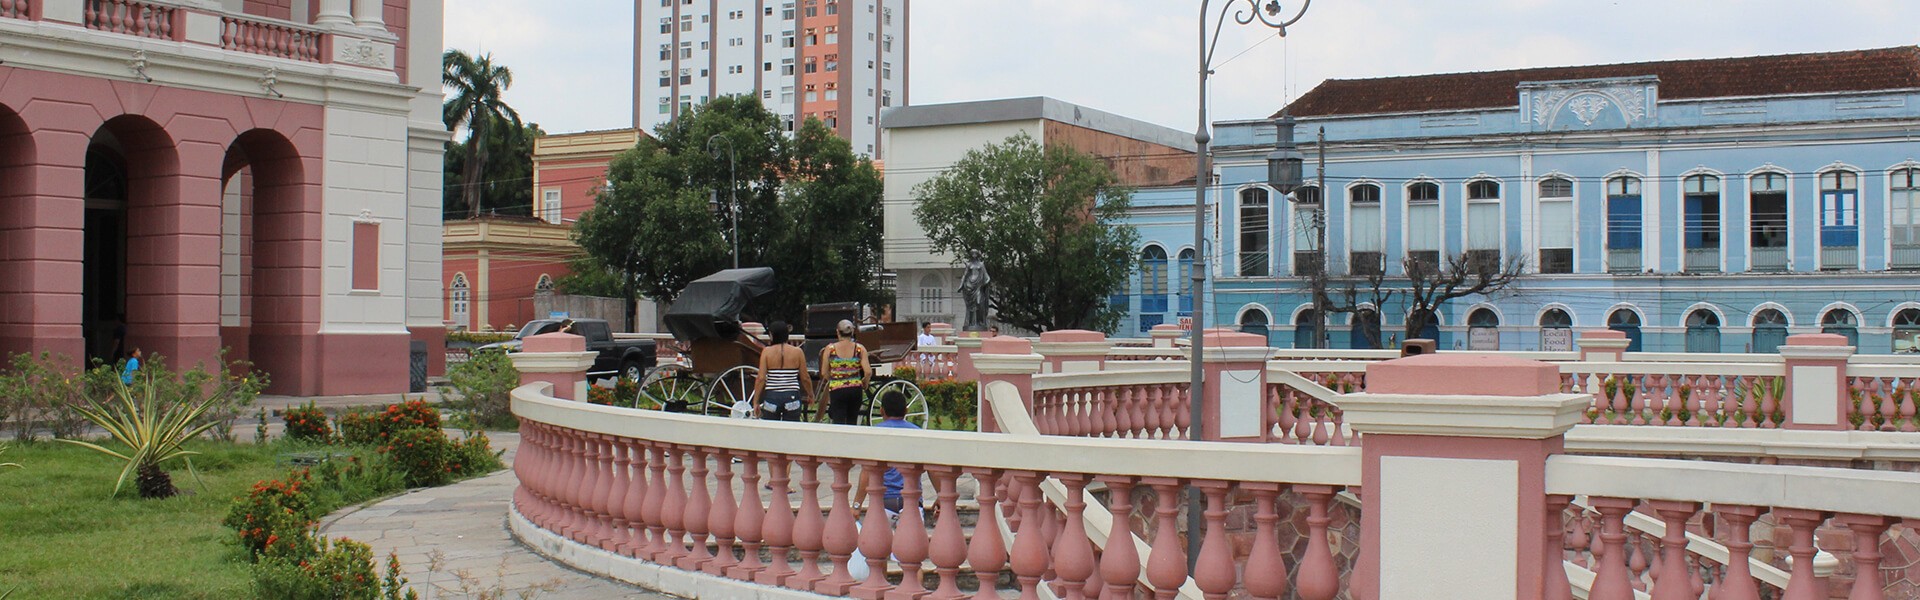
[{"x": 1186, "y": 323}]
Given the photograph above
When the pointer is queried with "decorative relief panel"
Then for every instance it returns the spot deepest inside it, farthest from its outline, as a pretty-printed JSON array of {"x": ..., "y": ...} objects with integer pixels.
[
  {"x": 365, "y": 53},
  {"x": 1589, "y": 104}
]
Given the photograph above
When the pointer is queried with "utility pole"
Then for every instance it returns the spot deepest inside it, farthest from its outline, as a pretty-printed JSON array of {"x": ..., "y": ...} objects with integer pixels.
[{"x": 1320, "y": 244}]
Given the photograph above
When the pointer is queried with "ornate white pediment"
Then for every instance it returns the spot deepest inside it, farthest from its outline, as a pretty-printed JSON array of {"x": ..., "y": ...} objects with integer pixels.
[{"x": 1589, "y": 103}]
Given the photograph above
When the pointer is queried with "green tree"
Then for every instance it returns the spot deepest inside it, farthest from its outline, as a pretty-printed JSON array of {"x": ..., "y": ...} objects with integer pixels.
[
  {"x": 807, "y": 207},
  {"x": 1047, "y": 221},
  {"x": 587, "y": 276},
  {"x": 505, "y": 187},
  {"x": 475, "y": 87}
]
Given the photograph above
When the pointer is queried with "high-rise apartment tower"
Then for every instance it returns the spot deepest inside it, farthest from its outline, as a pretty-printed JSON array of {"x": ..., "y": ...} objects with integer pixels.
[{"x": 841, "y": 61}]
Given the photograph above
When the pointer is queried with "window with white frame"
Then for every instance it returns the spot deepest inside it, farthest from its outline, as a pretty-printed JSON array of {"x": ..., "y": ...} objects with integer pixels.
[
  {"x": 1700, "y": 228},
  {"x": 933, "y": 295},
  {"x": 1556, "y": 225},
  {"x": 1153, "y": 279},
  {"x": 459, "y": 295},
  {"x": 1903, "y": 217},
  {"x": 1255, "y": 245},
  {"x": 1624, "y": 224},
  {"x": 550, "y": 206},
  {"x": 1767, "y": 212},
  {"x": 1839, "y": 209},
  {"x": 1483, "y": 224},
  {"x": 1308, "y": 227},
  {"x": 1423, "y": 222},
  {"x": 1364, "y": 243},
  {"x": 544, "y": 284}
]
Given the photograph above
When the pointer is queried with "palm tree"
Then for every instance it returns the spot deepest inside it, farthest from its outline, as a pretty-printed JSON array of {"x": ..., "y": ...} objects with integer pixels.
[{"x": 474, "y": 87}]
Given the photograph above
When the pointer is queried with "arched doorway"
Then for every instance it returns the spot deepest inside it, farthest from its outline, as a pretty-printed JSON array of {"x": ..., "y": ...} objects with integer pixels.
[
  {"x": 1769, "y": 331},
  {"x": 1254, "y": 320},
  {"x": 20, "y": 329},
  {"x": 1303, "y": 329},
  {"x": 1841, "y": 321},
  {"x": 1703, "y": 331},
  {"x": 1906, "y": 331},
  {"x": 1365, "y": 333},
  {"x": 1628, "y": 322},
  {"x": 1483, "y": 330},
  {"x": 128, "y": 298},
  {"x": 1556, "y": 330},
  {"x": 269, "y": 280}
]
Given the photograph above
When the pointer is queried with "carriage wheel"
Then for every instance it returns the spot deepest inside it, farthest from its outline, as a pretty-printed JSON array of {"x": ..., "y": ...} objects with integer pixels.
[
  {"x": 732, "y": 393},
  {"x": 669, "y": 387},
  {"x": 916, "y": 402}
]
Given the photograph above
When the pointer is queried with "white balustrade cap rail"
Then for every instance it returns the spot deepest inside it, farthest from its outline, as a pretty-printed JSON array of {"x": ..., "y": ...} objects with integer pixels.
[
  {"x": 1885, "y": 493},
  {"x": 1048, "y": 454},
  {"x": 1159, "y": 374}
]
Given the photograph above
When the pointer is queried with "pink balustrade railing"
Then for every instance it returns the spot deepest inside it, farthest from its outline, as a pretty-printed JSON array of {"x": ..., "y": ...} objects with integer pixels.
[
  {"x": 18, "y": 9},
  {"x": 279, "y": 40},
  {"x": 131, "y": 17},
  {"x": 1300, "y": 410},
  {"x": 1132, "y": 404},
  {"x": 1730, "y": 532},
  {"x": 930, "y": 365},
  {"x": 744, "y": 500},
  {"x": 1882, "y": 398},
  {"x": 1680, "y": 395}
]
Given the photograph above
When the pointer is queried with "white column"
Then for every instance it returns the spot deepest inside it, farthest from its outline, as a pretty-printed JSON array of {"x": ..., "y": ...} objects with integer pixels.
[
  {"x": 367, "y": 13},
  {"x": 334, "y": 12}
]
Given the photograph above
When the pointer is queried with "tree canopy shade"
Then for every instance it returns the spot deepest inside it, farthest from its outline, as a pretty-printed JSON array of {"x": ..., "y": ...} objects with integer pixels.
[
  {"x": 505, "y": 181},
  {"x": 808, "y": 207},
  {"x": 475, "y": 87},
  {"x": 1048, "y": 223}
]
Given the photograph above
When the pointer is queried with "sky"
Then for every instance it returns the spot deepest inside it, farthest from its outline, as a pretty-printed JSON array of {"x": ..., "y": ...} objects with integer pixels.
[{"x": 1138, "y": 58}]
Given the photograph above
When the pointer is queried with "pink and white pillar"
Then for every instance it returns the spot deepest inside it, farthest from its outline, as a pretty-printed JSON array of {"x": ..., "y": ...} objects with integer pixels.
[
  {"x": 1817, "y": 394},
  {"x": 965, "y": 345},
  {"x": 561, "y": 359},
  {"x": 1603, "y": 345},
  {"x": 1164, "y": 335},
  {"x": 1073, "y": 351},
  {"x": 1005, "y": 359},
  {"x": 1236, "y": 391},
  {"x": 1454, "y": 468}
]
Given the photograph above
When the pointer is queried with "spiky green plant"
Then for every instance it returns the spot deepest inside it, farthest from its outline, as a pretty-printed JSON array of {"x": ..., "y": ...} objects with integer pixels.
[{"x": 153, "y": 428}]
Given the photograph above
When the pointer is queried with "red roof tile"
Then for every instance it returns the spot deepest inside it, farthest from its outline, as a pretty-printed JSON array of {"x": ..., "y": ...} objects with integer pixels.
[{"x": 1851, "y": 71}]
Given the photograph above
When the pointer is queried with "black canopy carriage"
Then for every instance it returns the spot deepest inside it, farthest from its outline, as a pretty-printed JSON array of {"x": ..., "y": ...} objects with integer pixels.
[{"x": 722, "y": 365}]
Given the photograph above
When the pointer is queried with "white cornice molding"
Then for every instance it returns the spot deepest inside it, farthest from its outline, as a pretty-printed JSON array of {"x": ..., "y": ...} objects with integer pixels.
[
  {"x": 553, "y": 362},
  {"x": 70, "y": 49},
  {"x": 1533, "y": 417},
  {"x": 1008, "y": 364},
  {"x": 1072, "y": 349}
]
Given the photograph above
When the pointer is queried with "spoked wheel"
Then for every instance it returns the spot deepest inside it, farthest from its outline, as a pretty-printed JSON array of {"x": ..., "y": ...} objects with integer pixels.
[
  {"x": 916, "y": 402},
  {"x": 732, "y": 394},
  {"x": 669, "y": 387}
]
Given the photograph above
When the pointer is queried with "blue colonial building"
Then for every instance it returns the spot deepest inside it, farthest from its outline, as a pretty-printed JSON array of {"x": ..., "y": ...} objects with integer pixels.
[{"x": 1699, "y": 205}]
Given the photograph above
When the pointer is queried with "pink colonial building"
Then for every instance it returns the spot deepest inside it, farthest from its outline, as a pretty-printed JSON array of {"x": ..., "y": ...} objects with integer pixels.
[{"x": 256, "y": 175}]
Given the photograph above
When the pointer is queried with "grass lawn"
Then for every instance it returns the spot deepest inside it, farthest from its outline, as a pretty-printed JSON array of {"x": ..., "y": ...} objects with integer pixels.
[{"x": 61, "y": 537}]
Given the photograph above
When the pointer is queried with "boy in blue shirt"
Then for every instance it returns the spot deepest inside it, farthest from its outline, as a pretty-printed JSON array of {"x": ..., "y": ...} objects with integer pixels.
[{"x": 893, "y": 406}]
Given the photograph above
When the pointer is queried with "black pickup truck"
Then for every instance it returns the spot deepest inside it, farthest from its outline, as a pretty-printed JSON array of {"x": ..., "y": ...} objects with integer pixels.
[{"x": 629, "y": 359}]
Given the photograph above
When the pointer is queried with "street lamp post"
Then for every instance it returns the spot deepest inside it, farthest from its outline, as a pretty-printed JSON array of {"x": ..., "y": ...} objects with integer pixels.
[
  {"x": 733, "y": 202},
  {"x": 1249, "y": 11}
]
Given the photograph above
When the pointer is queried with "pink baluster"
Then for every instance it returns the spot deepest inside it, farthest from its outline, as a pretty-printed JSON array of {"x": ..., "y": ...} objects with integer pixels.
[
  {"x": 1137, "y": 412},
  {"x": 1320, "y": 434},
  {"x": 699, "y": 504},
  {"x": 1072, "y": 550},
  {"x": 1610, "y": 581},
  {"x": 1802, "y": 523},
  {"x": 1637, "y": 562},
  {"x": 619, "y": 543},
  {"x": 1888, "y": 410},
  {"x": 1868, "y": 583},
  {"x": 779, "y": 524},
  {"x": 522, "y": 468},
  {"x": 1621, "y": 401},
  {"x": 949, "y": 547},
  {"x": 748, "y": 519},
  {"x": 653, "y": 508},
  {"x": 910, "y": 544},
  {"x": 841, "y": 537},
  {"x": 1213, "y": 572},
  {"x": 674, "y": 511},
  {"x": 1907, "y": 408},
  {"x": 720, "y": 520},
  {"x": 633, "y": 505},
  {"x": 988, "y": 553},
  {"x": 1674, "y": 583},
  {"x": 1697, "y": 391},
  {"x": 1120, "y": 563},
  {"x": 1029, "y": 541},
  {"x": 1266, "y": 572},
  {"x": 876, "y": 541},
  {"x": 1642, "y": 398},
  {"x": 1167, "y": 563},
  {"x": 604, "y": 534},
  {"x": 1183, "y": 415},
  {"x": 810, "y": 528},
  {"x": 1737, "y": 582},
  {"x": 1579, "y": 542},
  {"x": 1319, "y": 578},
  {"x": 1555, "y": 585},
  {"x": 1769, "y": 404},
  {"x": 573, "y": 488}
]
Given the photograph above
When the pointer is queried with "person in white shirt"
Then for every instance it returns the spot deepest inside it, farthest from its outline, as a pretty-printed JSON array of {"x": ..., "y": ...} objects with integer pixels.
[{"x": 926, "y": 335}]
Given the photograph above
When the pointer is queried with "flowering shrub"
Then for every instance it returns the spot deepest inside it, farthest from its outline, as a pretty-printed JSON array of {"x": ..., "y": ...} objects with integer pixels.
[
  {"x": 473, "y": 456},
  {"x": 624, "y": 393},
  {"x": 330, "y": 570},
  {"x": 375, "y": 429},
  {"x": 422, "y": 454},
  {"x": 274, "y": 515},
  {"x": 951, "y": 405},
  {"x": 307, "y": 423},
  {"x": 906, "y": 371}
]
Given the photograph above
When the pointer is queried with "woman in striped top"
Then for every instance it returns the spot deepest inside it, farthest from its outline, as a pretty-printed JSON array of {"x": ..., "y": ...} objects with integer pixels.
[{"x": 785, "y": 387}]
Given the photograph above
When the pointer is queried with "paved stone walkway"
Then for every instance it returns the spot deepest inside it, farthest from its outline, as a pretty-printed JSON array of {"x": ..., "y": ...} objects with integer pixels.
[{"x": 453, "y": 543}]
